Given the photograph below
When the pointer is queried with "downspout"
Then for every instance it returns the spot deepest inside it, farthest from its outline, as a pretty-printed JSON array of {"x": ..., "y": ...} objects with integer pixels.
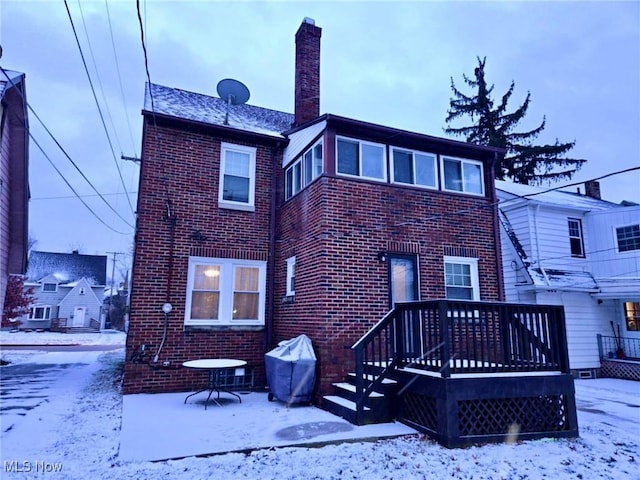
[
  {"x": 496, "y": 231},
  {"x": 166, "y": 308},
  {"x": 272, "y": 249},
  {"x": 535, "y": 223}
]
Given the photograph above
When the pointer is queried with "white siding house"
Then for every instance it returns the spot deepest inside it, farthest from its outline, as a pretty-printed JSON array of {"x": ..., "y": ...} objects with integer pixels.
[
  {"x": 564, "y": 248},
  {"x": 67, "y": 286}
]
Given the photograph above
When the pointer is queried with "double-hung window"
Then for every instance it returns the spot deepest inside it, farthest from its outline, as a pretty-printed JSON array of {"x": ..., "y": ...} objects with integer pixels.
[
  {"x": 460, "y": 175},
  {"x": 303, "y": 171},
  {"x": 361, "y": 159},
  {"x": 461, "y": 278},
  {"x": 222, "y": 291},
  {"x": 414, "y": 168},
  {"x": 576, "y": 241},
  {"x": 237, "y": 177},
  {"x": 291, "y": 276},
  {"x": 628, "y": 238}
]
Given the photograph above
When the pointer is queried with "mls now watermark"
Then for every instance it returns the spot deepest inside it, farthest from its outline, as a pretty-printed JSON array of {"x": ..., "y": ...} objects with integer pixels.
[{"x": 38, "y": 466}]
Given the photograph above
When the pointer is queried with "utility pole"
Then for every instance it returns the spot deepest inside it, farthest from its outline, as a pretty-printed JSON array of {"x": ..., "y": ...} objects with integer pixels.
[{"x": 113, "y": 270}]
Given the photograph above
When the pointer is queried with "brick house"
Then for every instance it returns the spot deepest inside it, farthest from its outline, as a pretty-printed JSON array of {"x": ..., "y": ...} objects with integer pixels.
[{"x": 258, "y": 226}]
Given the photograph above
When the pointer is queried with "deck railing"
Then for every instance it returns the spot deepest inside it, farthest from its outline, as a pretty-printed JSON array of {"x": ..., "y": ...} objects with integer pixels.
[
  {"x": 460, "y": 337},
  {"x": 619, "y": 347}
]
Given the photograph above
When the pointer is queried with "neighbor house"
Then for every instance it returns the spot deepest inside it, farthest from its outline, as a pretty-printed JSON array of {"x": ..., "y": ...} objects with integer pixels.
[
  {"x": 68, "y": 290},
  {"x": 14, "y": 177},
  {"x": 255, "y": 226},
  {"x": 575, "y": 250}
]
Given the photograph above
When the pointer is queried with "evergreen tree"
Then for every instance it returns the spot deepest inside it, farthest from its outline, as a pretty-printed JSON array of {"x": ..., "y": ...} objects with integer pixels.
[{"x": 523, "y": 162}]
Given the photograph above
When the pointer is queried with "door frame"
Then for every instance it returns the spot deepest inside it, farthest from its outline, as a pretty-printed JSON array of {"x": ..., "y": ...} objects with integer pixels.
[{"x": 416, "y": 277}]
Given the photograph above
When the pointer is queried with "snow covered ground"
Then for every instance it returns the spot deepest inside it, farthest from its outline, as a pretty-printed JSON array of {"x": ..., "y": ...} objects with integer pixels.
[{"x": 76, "y": 433}]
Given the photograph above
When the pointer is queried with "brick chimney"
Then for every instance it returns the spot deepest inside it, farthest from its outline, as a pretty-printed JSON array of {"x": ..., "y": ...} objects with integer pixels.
[
  {"x": 592, "y": 189},
  {"x": 307, "y": 93}
]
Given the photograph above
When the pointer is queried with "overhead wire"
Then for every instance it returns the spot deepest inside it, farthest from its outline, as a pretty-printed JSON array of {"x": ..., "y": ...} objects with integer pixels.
[
  {"x": 146, "y": 59},
  {"x": 97, "y": 104},
  {"x": 55, "y": 140},
  {"x": 115, "y": 56},
  {"x": 99, "y": 79}
]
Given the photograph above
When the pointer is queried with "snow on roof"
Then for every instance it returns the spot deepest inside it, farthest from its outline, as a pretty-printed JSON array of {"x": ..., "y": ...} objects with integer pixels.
[
  {"x": 562, "y": 279},
  {"x": 212, "y": 110},
  {"x": 67, "y": 267},
  {"x": 554, "y": 197}
]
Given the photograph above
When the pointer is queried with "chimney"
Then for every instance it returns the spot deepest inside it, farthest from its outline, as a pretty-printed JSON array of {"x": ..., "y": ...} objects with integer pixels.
[
  {"x": 307, "y": 81},
  {"x": 592, "y": 189}
]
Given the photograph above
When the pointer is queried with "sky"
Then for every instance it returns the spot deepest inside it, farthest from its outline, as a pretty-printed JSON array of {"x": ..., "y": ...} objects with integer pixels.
[
  {"x": 73, "y": 420},
  {"x": 389, "y": 63}
]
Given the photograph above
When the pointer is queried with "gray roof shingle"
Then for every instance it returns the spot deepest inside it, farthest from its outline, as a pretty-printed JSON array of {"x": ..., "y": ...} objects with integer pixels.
[
  {"x": 67, "y": 267},
  {"x": 212, "y": 110}
]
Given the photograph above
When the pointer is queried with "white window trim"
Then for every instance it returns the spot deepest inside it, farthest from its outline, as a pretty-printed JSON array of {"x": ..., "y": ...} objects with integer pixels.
[
  {"x": 227, "y": 266},
  {"x": 414, "y": 152},
  {"x": 464, "y": 190},
  {"x": 291, "y": 268},
  {"x": 475, "y": 278},
  {"x": 55, "y": 289},
  {"x": 360, "y": 143},
  {"x": 581, "y": 237},
  {"x": 302, "y": 169},
  {"x": 47, "y": 312},
  {"x": 615, "y": 239},
  {"x": 251, "y": 151}
]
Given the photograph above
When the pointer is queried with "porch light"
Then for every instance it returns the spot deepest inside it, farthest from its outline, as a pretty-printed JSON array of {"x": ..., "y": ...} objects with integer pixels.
[
  {"x": 383, "y": 256},
  {"x": 166, "y": 308}
]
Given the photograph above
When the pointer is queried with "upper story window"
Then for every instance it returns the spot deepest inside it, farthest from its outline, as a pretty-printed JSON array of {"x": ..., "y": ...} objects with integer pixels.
[
  {"x": 49, "y": 287},
  {"x": 460, "y": 175},
  {"x": 360, "y": 159},
  {"x": 303, "y": 171},
  {"x": 237, "y": 177},
  {"x": 461, "y": 278},
  {"x": 223, "y": 291},
  {"x": 414, "y": 168},
  {"x": 628, "y": 238},
  {"x": 291, "y": 276},
  {"x": 575, "y": 237}
]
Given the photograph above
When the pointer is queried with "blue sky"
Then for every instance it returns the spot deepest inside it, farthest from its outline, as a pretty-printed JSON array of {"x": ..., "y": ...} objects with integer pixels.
[{"x": 389, "y": 63}]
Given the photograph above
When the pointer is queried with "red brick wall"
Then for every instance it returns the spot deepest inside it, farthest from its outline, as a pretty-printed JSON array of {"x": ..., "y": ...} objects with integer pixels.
[
  {"x": 336, "y": 227},
  {"x": 182, "y": 168}
]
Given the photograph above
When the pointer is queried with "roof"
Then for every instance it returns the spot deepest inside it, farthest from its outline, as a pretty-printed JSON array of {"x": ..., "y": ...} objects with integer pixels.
[
  {"x": 544, "y": 195},
  {"x": 562, "y": 279},
  {"x": 200, "y": 108},
  {"x": 67, "y": 267},
  {"x": 15, "y": 77}
]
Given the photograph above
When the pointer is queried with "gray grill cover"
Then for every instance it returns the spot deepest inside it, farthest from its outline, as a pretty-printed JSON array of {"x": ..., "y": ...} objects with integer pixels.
[{"x": 291, "y": 370}]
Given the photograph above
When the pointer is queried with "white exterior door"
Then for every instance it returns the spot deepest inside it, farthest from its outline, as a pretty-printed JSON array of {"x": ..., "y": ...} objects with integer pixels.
[{"x": 78, "y": 316}]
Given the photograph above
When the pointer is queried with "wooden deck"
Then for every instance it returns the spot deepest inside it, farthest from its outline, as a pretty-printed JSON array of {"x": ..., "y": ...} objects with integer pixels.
[{"x": 467, "y": 371}]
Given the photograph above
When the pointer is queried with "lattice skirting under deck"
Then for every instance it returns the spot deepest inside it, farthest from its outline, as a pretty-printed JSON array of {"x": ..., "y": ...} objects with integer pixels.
[{"x": 620, "y": 369}]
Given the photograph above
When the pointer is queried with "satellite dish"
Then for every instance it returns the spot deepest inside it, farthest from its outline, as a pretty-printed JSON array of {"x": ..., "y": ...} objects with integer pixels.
[{"x": 234, "y": 92}]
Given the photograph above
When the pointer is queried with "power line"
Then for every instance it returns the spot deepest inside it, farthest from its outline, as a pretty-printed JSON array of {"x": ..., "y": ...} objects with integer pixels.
[
  {"x": 73, "y": 190},
  {"x": 115, "y": 56},
  {"x": 75, "y": 34},
  {"x": 64, "y": 152},
  {"x": 95, "y": 67},
  {"x": 146, "y": 60},
  {"x": 64, "y": 197}
]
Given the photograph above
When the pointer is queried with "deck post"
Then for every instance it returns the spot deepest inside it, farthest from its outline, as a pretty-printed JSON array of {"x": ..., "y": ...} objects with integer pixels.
[{"x": 445, "y": 369}]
